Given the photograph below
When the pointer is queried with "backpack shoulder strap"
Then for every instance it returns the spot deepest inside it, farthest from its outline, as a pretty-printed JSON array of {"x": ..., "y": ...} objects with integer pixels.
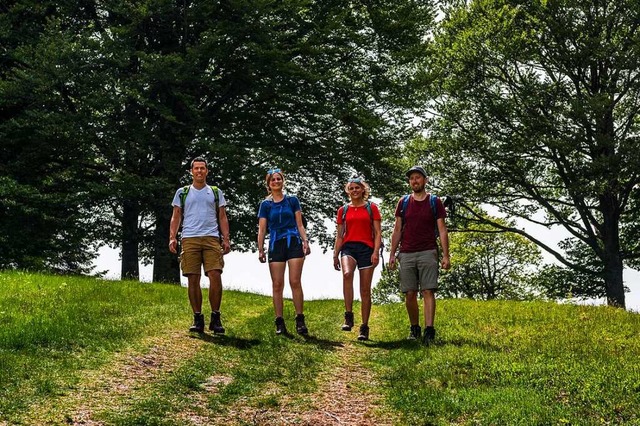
[
  {"x": 216, "y": 196},
  {"x": 433, "y": 200},
  {"x": 370, "y": 211},
  {"x": 344, "y": 219},
  {"x": 344, "y": 212},
  {"x": 434, "y": 208},
  {"x": 183, "y": 196},
  {"x": 403, "y": 208},
  {"x": 368, "y": 207},
  {"x": 216, "y": 202}
]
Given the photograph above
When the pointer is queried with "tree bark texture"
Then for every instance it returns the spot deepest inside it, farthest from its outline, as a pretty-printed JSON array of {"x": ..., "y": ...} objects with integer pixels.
[{"x": 130, "y": 251}]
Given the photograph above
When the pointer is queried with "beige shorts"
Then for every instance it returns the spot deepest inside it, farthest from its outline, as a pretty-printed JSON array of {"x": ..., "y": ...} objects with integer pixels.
[{"x": 198, "y": 252}]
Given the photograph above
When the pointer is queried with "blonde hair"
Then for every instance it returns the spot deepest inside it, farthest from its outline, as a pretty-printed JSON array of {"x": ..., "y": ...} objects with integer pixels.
[{"x": 364, "y": 185}]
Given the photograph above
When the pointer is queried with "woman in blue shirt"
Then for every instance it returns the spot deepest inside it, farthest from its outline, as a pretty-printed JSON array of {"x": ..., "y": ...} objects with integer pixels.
[{"x": 281, "y": 215}]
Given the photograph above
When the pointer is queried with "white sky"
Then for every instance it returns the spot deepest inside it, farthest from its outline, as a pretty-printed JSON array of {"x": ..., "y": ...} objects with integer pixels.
[{"x": 244, "y": 272}]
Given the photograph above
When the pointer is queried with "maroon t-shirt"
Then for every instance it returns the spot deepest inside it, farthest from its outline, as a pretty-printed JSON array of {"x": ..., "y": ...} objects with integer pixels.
[{"x": 419, "y": 232}]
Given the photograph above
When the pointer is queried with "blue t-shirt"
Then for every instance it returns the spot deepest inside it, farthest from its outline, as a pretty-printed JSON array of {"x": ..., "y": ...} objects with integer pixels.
[
  {"x": 200, "y": 215},
  {"x": 281, "y": 220}
]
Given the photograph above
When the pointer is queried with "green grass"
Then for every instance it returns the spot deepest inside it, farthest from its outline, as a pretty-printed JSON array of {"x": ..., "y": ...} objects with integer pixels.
[
  {"x": 53, "y": 327},
  {"x": 493, "y": 362},
  {"x": 517, "y": 363}
]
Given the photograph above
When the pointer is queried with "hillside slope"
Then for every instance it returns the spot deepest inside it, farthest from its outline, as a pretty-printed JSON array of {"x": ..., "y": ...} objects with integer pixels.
[{"x": 85, "y": 351}]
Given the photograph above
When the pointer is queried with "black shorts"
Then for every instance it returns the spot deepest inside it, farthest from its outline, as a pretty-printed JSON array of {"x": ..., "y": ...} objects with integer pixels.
[
  {"x": 282, "y": 253},
  {"x": 358, "y": 251}
]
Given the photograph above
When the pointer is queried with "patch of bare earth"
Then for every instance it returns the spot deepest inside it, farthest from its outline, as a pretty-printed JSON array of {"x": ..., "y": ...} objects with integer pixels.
[
  {"x": 210, "y": 387},
  {"x": 344, "y": 397},
  {"x": 104, "y": 389}
]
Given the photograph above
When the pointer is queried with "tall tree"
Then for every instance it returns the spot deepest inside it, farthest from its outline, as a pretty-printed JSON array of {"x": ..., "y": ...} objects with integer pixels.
[
  {"x": 537, "y": 114},
  {"x": 149, "y": 121},
  {"x": 312, "y": 87},
  {"x": 317, "y": 88},
  {"x": 47, "y": 167}
]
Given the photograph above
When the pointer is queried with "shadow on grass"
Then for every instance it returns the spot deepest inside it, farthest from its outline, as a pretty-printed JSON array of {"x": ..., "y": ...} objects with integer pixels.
[
  {"x": 394, "y": 344},
  {"x": 414, "y": 345},
  {"x": 224, "y": 340},
  {"x": 323, "y": 343}
]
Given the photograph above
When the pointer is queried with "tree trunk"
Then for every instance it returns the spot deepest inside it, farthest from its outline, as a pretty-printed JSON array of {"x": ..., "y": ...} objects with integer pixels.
[
  {"x": 614, "y": 282},
  {"x": 130, "y": 256},
  {"x": 166, "y": 267},
  {"x": 613, "y": 266}
]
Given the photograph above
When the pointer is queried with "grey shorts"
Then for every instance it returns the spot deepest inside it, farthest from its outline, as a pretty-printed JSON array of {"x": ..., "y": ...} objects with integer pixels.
[{"x": 419, "y": 271}]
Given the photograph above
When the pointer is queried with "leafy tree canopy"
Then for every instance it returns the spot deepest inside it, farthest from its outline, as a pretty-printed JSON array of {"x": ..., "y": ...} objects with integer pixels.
[{"x": 536, "y": 113}]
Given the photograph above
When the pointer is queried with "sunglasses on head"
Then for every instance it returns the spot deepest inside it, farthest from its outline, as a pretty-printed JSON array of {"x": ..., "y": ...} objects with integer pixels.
[
  {"x": 272, "y": 171},
  {"x": 355, "y": 180}
]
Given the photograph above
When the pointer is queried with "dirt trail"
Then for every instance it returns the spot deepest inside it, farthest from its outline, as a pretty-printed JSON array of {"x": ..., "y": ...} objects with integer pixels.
[
  {"x": 343, "y": 398},
  {"x": 104, "y": 389},
  {"x": 344, "y": 395}
]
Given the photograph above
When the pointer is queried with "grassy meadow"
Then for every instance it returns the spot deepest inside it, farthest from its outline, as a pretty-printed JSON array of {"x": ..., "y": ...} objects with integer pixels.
[{"x": 118, "y": 352}]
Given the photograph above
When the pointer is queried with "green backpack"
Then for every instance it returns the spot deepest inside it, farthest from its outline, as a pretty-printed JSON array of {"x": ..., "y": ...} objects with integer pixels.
[{"x": 216, "y": 197}]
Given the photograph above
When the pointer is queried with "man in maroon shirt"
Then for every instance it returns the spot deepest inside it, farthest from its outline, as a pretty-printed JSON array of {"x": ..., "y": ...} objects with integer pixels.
[{"x": 415, "y": 232}]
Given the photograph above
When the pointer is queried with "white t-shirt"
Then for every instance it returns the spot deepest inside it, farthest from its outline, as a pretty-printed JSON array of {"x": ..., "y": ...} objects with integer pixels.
[{"x": 200, "y": 216}]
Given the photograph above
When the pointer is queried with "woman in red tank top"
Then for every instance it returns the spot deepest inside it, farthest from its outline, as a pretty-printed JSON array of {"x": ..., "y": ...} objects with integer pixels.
[{"x": 358, "y": 240}]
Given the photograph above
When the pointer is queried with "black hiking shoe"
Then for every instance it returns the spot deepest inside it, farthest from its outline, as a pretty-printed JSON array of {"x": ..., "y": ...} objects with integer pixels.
[
  {"x": 301, "y": 328},
  {"x": 198, "y": 323},
  {"x": 429, "y": 336},
  {"x": 280, "y": 327},
  {"x": 216, "y": 325},
  {"x": 415, "y": 332},
  {"x": 364, "y": 332},
  {"x": 348, "y": 321}
]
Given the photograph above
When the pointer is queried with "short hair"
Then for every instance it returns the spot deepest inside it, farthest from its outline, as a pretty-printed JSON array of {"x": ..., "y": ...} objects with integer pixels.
[{"x": 199, "y": 160}]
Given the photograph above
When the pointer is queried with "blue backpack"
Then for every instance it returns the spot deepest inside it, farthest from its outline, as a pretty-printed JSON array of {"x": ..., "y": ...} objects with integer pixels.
[
  {"x": 288, "y": 198},
  {"x": 434, "y": 209}
]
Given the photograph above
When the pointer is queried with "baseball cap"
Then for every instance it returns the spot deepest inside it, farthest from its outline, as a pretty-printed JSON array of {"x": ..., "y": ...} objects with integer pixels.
[{"x": 416, "y": 169}]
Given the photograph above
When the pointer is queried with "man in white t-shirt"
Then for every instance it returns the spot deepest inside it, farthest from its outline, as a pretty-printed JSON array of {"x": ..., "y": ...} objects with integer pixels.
[{"x": 204, "y": 240}]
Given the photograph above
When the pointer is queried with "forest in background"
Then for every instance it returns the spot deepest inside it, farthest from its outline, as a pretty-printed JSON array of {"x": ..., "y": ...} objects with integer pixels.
[{"x": 530, "y": 108}]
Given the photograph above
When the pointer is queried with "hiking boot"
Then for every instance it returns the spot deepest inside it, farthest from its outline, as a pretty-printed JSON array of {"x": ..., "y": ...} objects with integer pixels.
[
  {"x": 415, "y": 332},
  {"x": 429, "y": 336},
  {"x": 216, "y": 325},
  {"x": 301, "y": 328},
  {"x": 280, "y": 327},
  {"x": 348, "y": 321},
  {"x": 364, "y": 332},
  {"x": 198, "y": 323}
]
